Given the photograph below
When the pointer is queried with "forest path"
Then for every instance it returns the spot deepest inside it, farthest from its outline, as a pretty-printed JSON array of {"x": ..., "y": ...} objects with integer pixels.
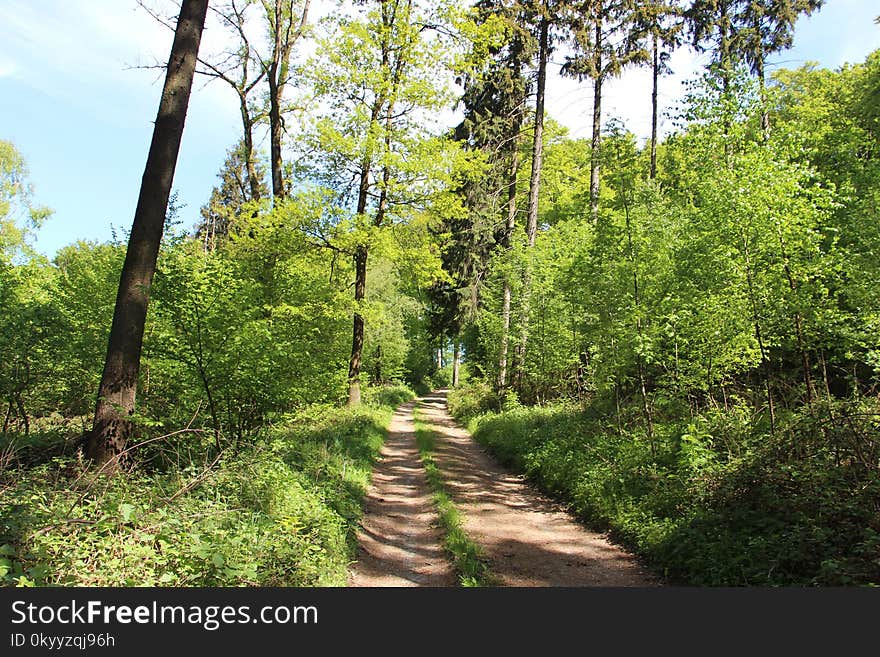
[
  {"x": 399, "y": 542},
  {"x": 529, "y": 539}
]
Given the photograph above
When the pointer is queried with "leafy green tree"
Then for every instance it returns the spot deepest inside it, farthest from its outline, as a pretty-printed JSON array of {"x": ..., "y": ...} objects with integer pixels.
[{"x": 377, "y": 73}]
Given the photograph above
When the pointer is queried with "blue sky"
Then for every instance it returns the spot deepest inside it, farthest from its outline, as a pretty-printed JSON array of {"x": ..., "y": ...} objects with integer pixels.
[{"x": 75, "y": 106}]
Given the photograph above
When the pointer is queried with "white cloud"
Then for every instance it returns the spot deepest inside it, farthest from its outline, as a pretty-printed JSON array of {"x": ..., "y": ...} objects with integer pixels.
[{"x": 7, "y": 67}]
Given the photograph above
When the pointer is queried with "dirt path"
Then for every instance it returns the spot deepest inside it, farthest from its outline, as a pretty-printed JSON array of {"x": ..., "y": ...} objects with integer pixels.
[
  {"x": 399, "y": 542},
  {"x": 528, "y": 539}
]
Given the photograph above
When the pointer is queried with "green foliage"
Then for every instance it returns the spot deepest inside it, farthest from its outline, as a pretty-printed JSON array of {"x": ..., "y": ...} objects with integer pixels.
[
  {"x": 707, "y": 342},
  {"x": 718, "y": 503},
  {"x": 280, "y": 513}
]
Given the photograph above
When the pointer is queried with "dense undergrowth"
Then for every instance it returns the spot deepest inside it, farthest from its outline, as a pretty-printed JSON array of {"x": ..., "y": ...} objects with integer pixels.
[
  {"x": 282, "y": 511},
  {"x": 712, "y": 500}
]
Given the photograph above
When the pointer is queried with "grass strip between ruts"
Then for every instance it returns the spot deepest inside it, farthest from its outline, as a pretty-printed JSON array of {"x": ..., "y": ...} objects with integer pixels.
[{"x": 468, "y": 558}]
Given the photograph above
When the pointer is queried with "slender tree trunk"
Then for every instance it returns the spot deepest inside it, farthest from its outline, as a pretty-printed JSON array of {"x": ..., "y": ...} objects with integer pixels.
[
  {"x": 278, "y": 191},
  {"x": 725, "y": 62},
  {"x": 22, "y": 413},
  {"x": 538, "y": 138},
  {"x": 248, "y": 142},
  {"x": 357, "y": 339},
  {"x": 116, "y": 394},
  {"x": 655, "y": 72},
  {"x": 505, "y": 336},
  {"x": 534, "y": 189},
  {"x": 284, "y": 38},
  {"x": 360, "y": 288},
  {"x": 8, "y": 416},
  {"x": 456, "y": 362},
  {"x": 637, "y": 302},
  {"x": 595, "y": 150},
  {"x": 508, "y": 236},
  {"x": 765, "y": 113},
  {"x": 765, "y": 359},
  {"x": 798, "y": 323},
  {"x": 596, "y": 143}
]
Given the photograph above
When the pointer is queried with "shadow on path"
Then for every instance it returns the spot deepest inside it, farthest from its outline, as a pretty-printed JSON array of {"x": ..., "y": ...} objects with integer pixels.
[
  {"x": 528, "y": 539},
  {"x": 399, "y": 543}
]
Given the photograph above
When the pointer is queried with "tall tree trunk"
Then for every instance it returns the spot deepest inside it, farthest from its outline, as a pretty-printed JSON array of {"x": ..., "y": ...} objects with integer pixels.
[
  {"x": 655, "y": 72},
  {"x": 595, "y": 148},
  {"x": 538, "y": 137},
  {"x": 247, "y": 124},
  {"x": 534, "y": 189},
  {"x": 798, "y": 321},
  {"x": 765, "y": 113},
  {"x": 116, "y": 394},
  {"x": 456, "y": 362},
  {"x": 357, "y": 340},
  {"x": 284, "y": 38},
  {"x": 360, "y": 285},
  {"x": 508, "y": 236},
  {"x": 278, "y": 191},
  {"x": 596, "y": 143},
  {"x": 759, "y": 336},
  {"x": 724, "y": 57},
  {"x": 637, "y": 303}
]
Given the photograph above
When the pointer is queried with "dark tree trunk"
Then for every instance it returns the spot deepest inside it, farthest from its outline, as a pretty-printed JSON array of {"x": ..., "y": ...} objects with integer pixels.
[
  {"x": 275, "y": 92},
  {"x": 538, "y": 139},
  {"x": 360, "y": 288},
  {"x": 534, "y": 189},
  {"x": 759, "y": 336},
  {"x": 596, "y": 145},
  {"x": 116, "y": 394},
  {"x": 357, "y": 338},
  {"x": 656, "y": 80},
  {"x": 508, "y": 235},
  {"x": 765, "y": 114},
  {"x": 248, "y": 128},
  {"x": 284, "y": 37},
  {"x": 456, "y": 360}
]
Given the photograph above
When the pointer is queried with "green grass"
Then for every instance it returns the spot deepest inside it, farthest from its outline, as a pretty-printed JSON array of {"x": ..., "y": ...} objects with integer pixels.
[
  {"x": 719, "y": 501},
  {"x": 283, "y": 511},
  {"x": 468, "y": 558}
]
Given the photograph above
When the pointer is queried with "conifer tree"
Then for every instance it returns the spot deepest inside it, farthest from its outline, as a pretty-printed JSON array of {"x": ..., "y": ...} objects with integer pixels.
[{"x": 606, "y": 37}]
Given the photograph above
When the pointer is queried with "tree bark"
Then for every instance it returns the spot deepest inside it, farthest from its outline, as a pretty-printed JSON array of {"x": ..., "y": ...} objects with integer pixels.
[
  {"x": 759, "y": 336},
  {"x": 534, "y": 189},
  {"x": 595, "y": 146},
  {"x": 508, "y": 235},
  {"x": 596, "y": 143},
  {"x": 765, "y": 114},
  {"x": 275, "y": 91},
  {"x": 538, "y": 139},
  {"x": 456, "y": 361},
  {"x": 248, "y": 142},
  {"x": 357, "y": 340},
  {"x": 284, "y": 37},
  {"x": 656, "y": 80},
  {"x": 116, "y": 394}
]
